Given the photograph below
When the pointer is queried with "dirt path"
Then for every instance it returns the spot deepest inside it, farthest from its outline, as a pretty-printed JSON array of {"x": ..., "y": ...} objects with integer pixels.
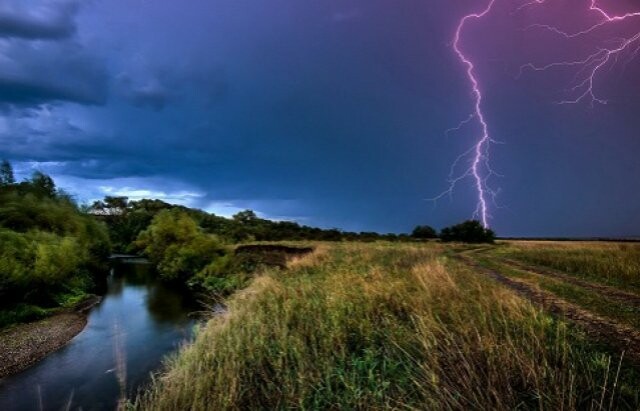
[
  {"x": 25, "y": 344},
  {"x": 620, "y": 336},
  {"x": 605, "y": 291}
]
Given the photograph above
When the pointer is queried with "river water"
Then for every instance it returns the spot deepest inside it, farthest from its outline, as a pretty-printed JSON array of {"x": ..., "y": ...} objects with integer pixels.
[{"x": 137, "y": 323}]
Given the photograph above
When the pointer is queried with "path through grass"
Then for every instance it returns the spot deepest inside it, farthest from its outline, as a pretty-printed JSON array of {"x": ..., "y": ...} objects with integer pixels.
[{"x": 371, "y": 326}]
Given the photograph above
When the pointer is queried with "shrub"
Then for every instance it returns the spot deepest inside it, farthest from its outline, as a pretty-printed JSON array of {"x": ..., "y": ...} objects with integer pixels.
[
  {"x": 21, "y": 313},
  {"x": 56, "y": 259},
  {"x": 175, "y": 244},
  {"x": 223, "y": 275},
  {"x": 38, "y": 267},
  {"x": 424, "y": 232},
  {"x": 470, "y": 231},
  {"x": 50, "y": 251}
]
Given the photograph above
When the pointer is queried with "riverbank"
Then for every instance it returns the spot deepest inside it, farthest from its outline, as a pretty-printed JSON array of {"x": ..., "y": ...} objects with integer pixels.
[
  {"x": 382, "y": 325},
  {"x": 23, "y": 345}
]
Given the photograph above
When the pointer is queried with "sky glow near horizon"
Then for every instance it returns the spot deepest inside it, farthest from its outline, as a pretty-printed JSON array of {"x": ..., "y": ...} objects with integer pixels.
[{"x": 331, "y": 113}]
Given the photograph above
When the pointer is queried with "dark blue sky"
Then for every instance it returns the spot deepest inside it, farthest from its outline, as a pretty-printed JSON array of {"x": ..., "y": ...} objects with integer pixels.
[{"x": 329, "y": 112}]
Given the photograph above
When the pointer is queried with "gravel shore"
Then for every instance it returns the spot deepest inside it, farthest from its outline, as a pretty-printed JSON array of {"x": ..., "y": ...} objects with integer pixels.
[{"x": 23, "y": 345}]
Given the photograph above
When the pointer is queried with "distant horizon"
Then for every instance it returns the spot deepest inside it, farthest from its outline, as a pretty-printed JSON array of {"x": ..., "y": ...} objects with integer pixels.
[
  {"x": 334, "y": 114},
  {"x": 499, "y": 236}
]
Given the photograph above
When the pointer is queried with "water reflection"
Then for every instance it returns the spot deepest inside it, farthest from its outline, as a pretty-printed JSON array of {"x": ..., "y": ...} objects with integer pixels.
[{"x": 146, "y": 318}]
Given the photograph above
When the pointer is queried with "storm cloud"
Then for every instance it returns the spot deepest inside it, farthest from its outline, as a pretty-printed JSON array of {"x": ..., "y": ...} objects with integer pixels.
[
  {"x": 27, "y": 19},
  {"x": 33, "y": 74},
  {"x": 330, "y": 112},
  {"x": 41, "y": 62}
]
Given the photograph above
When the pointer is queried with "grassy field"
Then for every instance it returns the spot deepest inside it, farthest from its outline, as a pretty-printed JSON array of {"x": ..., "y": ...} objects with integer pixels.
[
  {"x": 600, "y": 277},
  {"x": 371, "y": 326},
  {"x": 615, "y": 264}
]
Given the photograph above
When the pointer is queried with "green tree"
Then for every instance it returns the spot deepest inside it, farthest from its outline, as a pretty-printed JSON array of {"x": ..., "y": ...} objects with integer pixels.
[
  {"x": 167, "y": 228},
  {"x": 246, "y": 217},
  {"x": 116, "y": 205},
  {"x": 42, "y": 185},
  {"x": 424, "y": 232},
  {"x": 6, "y": 174},
  {"x": 50, "y": 253},
  {"x": 471, "y": 231},
  {"x": 176, "y": 245}
]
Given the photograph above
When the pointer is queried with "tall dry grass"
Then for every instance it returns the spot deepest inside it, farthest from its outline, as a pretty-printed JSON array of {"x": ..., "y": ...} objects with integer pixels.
[
  {"x": 385, "y": 326},
  {"x": 616, "y": 264}
]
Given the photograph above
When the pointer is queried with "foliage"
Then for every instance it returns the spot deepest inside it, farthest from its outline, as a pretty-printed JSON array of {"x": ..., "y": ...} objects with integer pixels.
[
  {"x": 42, "y": 185},
  {"x": 51, "y": 252},
  {"x": 176, "y": 245},
  {"x": 127, "y": 219},
  {"x": 22, "y": 313},
  {"x": 470, "y": 231},
  {"x": 6, "y": 174},
  {"x": 223, "y": 276},
  {"x": 424, "y": 232}
]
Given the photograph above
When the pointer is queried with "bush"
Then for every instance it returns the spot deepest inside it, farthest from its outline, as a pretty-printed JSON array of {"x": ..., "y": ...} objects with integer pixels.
[
  {"x": 16, "y": 261},
  {"x": 21, "y": 313},
  {"x": 38, "y": 267},
  {"x": 50, "y": 251},
  {"x": 223, "y": 275},
  {"x": 182, "y": 261},
  {"x": 424, "y": 232},
  {"x": 177, "y": 247},
  {"x": 57, "y": 259},
  {"x": 470, "y": 231}
]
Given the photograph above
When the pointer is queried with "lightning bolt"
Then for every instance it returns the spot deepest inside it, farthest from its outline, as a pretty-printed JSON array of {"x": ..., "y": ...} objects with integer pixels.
[
  {"x": 588, "y": 68},
  {"x": 479, "y": 168}
]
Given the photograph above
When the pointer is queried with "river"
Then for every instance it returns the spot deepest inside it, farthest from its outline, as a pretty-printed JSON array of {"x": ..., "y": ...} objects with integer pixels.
[{"x": 137, "y": 323}]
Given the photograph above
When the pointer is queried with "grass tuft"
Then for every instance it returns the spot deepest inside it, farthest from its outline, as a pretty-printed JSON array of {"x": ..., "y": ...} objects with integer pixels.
[{"x": 386, "y": 326}]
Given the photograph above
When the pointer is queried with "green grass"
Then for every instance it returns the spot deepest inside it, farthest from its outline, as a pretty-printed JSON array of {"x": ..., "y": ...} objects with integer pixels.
[
  {"x": 585, "y": 298},
  {"x": 22, "y": 313},
  {"x": 614, "y": 264},
  {"x": 376, "y": 326}
]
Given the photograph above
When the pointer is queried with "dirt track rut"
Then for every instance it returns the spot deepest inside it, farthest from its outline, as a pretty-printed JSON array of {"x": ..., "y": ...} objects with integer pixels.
[
  {"x": 619, "y": 336},
  {"x": 605, "y": 291}
]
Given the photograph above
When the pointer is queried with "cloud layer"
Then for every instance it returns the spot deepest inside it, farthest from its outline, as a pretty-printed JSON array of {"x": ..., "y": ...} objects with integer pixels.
[
  {"x": 329, "y": 111},
  {"x": 48, "y": 20}
]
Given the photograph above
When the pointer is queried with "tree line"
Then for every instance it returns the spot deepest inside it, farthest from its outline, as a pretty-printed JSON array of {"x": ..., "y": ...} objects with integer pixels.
[
  {"x": 127, "y": 219},
  {"x": 54, "y": 252},
  {"x": 470, "y": 231}
]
